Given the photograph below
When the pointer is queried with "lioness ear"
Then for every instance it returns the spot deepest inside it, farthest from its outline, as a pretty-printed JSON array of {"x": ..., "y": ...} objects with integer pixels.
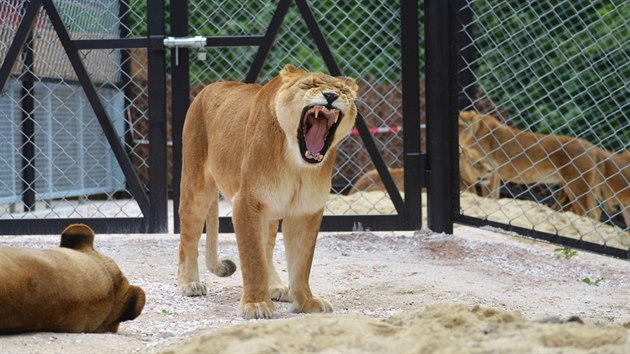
[
  {"x": 77, "y": 237},
  {"x": 134, "y": 303},
  {"x": 290, "y": 69},
  {"x": 462, "y": 118},
  {"x": 350, "y": 82}
]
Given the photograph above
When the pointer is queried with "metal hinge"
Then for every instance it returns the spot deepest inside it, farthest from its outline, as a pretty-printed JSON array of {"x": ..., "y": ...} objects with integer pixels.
[{"x": 198, "y": 42}]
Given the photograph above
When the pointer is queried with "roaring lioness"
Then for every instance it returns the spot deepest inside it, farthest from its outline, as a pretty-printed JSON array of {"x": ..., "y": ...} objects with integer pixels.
[
  {"x": 72, "y": 288},
  {"x": 524, "y": 157},
  {"x": 271, "y": 150}
]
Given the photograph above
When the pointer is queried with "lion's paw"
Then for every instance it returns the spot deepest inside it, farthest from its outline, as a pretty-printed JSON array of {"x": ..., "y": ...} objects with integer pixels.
[
  {"x": 255, "y": 310},
  {"x": 194, "y": 288},
  {"x": 311, "y": 305},
  {"x": 280, "y": 293}
]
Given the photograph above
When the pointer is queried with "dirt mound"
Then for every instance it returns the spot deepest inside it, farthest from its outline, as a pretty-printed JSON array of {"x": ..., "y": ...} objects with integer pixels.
[{"x": 441, "y": 328}]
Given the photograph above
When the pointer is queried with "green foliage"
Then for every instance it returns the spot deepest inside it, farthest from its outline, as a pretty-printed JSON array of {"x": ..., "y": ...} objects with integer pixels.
[
  {"x": 364, "y": 37},
  {"x": 595, "y": 282},
  {"x": 559, "y": 67},
  {"x": 565, "y": 252},
  {"x": 167, "y": 312}
]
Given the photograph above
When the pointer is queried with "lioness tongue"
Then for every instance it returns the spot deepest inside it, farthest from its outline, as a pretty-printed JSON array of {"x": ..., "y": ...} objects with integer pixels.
[{"x": 314, "y": 137}]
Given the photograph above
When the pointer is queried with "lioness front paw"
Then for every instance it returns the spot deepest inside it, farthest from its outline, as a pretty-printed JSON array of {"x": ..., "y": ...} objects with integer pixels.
[
  {"x": 255, "y": 310},
  {"x": 280, "y": 293},
  {"x": 194, "y": 288},
  {"x": 311, "y": 305}
]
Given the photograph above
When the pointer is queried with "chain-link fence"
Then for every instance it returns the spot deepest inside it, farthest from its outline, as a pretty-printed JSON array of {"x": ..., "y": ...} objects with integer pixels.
[
  {"x": 55, "y": 161},
  {"x": 555, "y": 157},
  {"x": 560, "y": 69},
  {"x": 63, "y": 166}
]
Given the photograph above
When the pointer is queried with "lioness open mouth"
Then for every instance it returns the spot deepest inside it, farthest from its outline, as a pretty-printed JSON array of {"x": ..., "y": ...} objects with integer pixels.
[{"x": 317, "y": 130}]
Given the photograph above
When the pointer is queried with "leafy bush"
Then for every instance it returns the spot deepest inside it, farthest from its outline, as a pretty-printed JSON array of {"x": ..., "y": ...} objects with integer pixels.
[{"x": 559, "y": 67}]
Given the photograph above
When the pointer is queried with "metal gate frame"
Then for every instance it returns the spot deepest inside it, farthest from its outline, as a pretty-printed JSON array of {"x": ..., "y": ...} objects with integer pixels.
[
  {"x": 152, "y": 203},
  {"x": 409, "y": 216}
]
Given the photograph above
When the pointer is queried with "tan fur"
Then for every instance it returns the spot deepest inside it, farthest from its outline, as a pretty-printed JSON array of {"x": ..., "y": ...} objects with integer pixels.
[
  {"x": 473, "y": 169},
  {"x": 242, "y": 140},
  {"x": 614, "y": 191},
  {"x": 525, "y": 157},
  {"x": 68, "y": 289}
]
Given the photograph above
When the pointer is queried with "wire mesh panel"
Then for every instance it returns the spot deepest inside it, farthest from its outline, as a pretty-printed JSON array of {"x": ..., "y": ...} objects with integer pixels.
[
  {"x": 554, "y": 158},
  {"x": 364, "y": 37},
  {"x": 55, "y": 161}
]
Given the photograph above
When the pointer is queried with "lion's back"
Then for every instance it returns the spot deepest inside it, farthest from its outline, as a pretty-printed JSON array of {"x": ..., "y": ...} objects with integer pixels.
[
  {"x": 228, "y": 100},
  {"x": 215, "y": 130}
]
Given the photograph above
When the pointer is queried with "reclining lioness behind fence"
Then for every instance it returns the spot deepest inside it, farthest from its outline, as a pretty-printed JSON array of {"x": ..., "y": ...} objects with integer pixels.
[{"x": 524, "y": 157}]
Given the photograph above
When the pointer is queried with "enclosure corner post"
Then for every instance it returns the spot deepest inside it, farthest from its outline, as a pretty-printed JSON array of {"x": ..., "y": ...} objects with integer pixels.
[
  {"x": 180, "y": 93},
  {"x": 441, "y": 116},
  {"x": 158, "y": 218},
  {"x": 412, "y": 215}
]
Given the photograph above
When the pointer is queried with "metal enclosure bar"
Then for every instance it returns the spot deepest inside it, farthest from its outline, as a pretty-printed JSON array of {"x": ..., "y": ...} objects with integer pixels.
[
  {"x": 362, "y": 127},
  {"x": 412, "y": 213},
  {"x": 180, "y": 96},
  {"x": 267, "y": 42},
  {"x": 158, "y": 213},
  {"x": 27, "y": 128},
  {"x": 556, "y": 239},
  {"x": 441, "y": 125},
  {"x": 465, "y": 74},
  {"x": 90, "y": 91},
  {"x": 21, "y": 36}
]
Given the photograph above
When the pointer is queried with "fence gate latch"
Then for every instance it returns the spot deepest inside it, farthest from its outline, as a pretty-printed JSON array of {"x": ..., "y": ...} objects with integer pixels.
[{"x": 198, "y": 42}]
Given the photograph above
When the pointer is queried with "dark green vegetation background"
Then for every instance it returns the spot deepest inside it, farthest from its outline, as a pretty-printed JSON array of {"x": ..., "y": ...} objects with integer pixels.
[{"x": 555, "y": 66}]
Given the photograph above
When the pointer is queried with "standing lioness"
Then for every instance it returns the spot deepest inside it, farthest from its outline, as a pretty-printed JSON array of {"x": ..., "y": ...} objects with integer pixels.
[{"x": 271, "y": 150}]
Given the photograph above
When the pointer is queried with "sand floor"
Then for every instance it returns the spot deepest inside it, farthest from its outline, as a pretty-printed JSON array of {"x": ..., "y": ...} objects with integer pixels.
[{"x": 474, "y": 291}]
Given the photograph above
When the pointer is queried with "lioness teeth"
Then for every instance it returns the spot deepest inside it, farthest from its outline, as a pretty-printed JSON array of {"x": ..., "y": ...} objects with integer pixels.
[
  {"x": 316, "y": 108},
  {"x": 316, "y": 156},
  {"x": 336, "y": 113}
]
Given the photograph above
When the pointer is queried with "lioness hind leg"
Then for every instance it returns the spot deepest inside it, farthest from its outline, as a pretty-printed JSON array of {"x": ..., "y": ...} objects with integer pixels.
[
  {"x": 225, "y": 267},
  {"x": 300, "y": 235},
  {"x": 193, "y": 209},
  {"x": 277, "y": 290},
  {"x": 580, "y": 192}
]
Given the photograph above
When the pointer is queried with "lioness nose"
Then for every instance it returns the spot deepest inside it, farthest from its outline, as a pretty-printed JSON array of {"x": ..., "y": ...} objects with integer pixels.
[{"x": 330, "y": 96}]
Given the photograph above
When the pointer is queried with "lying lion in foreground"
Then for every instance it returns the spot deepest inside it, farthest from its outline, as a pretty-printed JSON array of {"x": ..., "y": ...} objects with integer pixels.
[
  {"x": 271, "y": 150},
  {"x": 524, "y": 157},
  {"x": 68, "y": 289}
]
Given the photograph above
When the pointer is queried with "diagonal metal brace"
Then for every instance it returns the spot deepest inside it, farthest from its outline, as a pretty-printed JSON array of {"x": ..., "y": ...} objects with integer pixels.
[
  {"x": 18, "y": 42},
  {"x": 362, "y": 127}
]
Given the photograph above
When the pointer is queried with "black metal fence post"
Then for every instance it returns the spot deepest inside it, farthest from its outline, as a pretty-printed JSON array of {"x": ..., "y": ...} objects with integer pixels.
[
  {"x": 27, "y": 126},
  {"x": 465, "y": 75},
  {"x": 412, "y": 214},
  {"x": 180, "y": 96},
  {"x": 158, "y": 218},
  {"x": 441, "y": 121}
]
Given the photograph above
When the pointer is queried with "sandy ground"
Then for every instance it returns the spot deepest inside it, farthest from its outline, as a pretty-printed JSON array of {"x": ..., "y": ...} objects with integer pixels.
[{"x": 474, "y": 291}]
